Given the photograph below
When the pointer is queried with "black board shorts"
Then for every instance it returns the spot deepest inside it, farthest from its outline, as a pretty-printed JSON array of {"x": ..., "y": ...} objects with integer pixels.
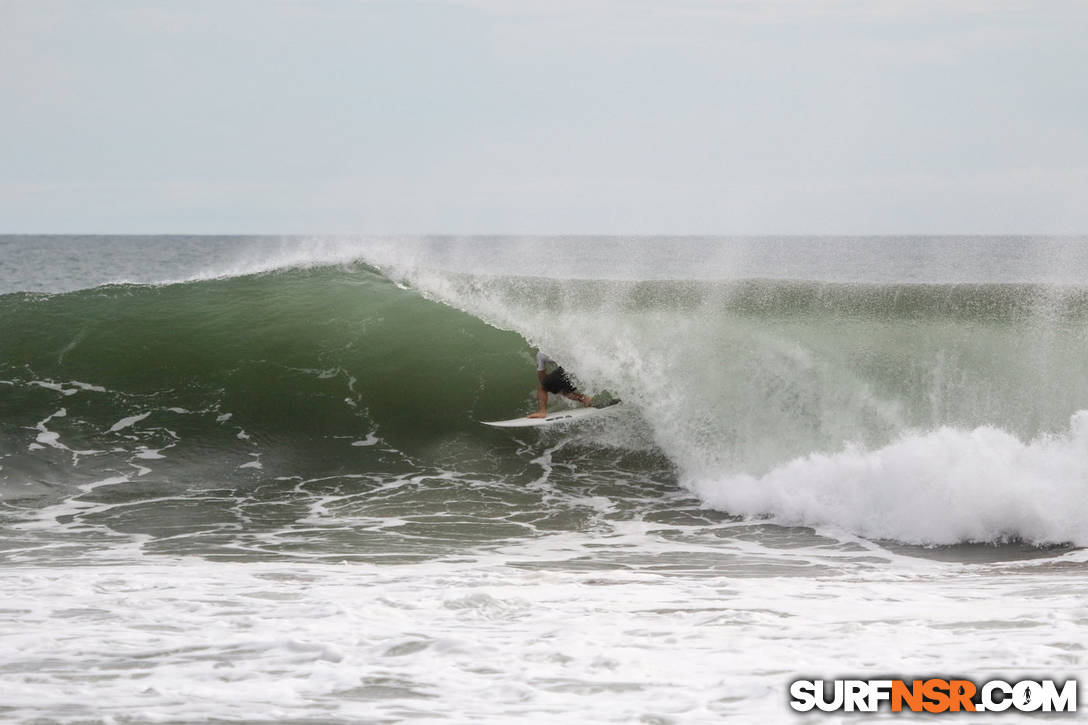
[{"x": 557, "y": 382}]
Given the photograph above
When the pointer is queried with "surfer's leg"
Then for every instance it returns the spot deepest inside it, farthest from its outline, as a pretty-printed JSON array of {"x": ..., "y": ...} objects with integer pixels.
[
  {"x": 558, "y": 382},
  {"x": 575, "y": 395}
]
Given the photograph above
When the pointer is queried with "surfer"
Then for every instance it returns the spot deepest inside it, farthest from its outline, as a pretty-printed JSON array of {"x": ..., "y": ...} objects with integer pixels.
[{"x": 555, "y": 382}]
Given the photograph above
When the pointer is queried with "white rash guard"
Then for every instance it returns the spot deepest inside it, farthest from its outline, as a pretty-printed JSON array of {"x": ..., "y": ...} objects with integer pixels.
[{"x": 542, "y": 360}]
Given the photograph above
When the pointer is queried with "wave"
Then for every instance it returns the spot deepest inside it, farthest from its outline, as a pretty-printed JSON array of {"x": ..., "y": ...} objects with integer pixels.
[{"x": 924, "y": 413}]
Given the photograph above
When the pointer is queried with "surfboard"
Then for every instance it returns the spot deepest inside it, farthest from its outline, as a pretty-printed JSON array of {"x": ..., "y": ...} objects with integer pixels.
[{"x": 559, "y": 416}]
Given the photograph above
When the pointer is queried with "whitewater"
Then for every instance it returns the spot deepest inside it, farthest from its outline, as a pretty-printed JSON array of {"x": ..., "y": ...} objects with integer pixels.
[{"x": 244, "y": 479}]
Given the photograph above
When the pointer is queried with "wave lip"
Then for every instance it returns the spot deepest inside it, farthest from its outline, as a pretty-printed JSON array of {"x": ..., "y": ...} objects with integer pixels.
[{"x": 947, "y": 486}]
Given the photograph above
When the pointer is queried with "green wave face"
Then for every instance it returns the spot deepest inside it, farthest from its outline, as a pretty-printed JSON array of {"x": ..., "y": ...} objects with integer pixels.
[{"x": 310, "y": 361}]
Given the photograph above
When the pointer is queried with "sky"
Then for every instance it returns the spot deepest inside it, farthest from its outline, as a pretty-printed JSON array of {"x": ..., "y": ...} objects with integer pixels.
[{"x": 730, "y": 117}]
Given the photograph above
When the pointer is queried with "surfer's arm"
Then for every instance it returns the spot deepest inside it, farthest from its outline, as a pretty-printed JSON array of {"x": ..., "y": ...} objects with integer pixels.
[{"x": 541, "y": 397}]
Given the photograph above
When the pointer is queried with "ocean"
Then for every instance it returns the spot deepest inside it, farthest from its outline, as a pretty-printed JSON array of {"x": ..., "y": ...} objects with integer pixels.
[{"x": 244, "y": 479}]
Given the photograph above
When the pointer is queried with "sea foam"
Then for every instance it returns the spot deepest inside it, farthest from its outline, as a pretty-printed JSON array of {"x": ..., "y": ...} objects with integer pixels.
[{"x": 942, "y": 487}]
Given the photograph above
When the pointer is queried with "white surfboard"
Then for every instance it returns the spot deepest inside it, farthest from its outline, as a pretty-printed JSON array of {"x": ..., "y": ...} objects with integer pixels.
[{"x": 559, "y": 416}]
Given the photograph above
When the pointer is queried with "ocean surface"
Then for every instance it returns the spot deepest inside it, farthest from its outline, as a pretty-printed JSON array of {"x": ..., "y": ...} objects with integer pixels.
[{"x": 243, "y": 478}]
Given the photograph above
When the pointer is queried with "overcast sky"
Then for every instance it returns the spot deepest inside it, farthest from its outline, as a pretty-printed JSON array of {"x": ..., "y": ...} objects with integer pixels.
[{"x": 544, "y": 116}]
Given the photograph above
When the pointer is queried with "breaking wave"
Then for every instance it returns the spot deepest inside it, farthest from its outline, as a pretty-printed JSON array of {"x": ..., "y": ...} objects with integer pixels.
[{"x": 924, "y": 413}]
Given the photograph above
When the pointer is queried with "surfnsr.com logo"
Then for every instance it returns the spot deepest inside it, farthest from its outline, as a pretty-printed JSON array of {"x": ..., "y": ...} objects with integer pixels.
[{"x": 933, "y": 695}]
